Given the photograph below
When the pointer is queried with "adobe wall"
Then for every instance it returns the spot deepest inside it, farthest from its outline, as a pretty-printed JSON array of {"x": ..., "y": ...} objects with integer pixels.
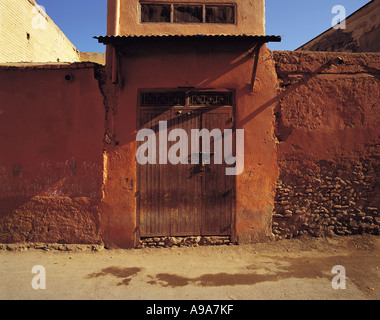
[
  {"x": 27, "y": 34},
  {"x": 68, "y": 135},
  {"x": 96, "y": 57},
  {"x": 328, "y": 128},
  {"x": 51, "y": 164}
]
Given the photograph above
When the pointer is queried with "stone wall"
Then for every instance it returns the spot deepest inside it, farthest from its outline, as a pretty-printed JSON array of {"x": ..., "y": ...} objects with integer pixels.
[
  {"x": 191, "y": 241},
  {"x": 328, "y": 137},
  {"x": 327, "y": 197}
]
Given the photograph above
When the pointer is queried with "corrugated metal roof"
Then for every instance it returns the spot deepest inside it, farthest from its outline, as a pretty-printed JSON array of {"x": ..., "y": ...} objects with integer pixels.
[{"x": 266, "y": 38}]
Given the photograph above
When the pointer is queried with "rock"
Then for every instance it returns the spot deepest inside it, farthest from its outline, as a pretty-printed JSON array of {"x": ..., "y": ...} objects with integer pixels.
[{"x": 170, "y": 241}]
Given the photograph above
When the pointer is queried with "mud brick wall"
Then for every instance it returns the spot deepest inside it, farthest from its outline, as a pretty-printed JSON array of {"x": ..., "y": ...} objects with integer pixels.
[
  {"x": 51, "y": 165},
  {"x": 327, "y": 126}
]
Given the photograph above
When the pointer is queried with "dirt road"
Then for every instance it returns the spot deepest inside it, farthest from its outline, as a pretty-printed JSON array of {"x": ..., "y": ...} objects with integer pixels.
[{"x": 286, "y": 269}]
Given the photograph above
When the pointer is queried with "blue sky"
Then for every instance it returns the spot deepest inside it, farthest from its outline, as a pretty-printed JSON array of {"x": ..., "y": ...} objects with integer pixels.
[{"x": 298, "y": 21}]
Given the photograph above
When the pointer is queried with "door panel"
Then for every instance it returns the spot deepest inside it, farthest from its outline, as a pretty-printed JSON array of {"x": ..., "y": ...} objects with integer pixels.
[
  {"x": 218, "y": 187},
  {"x": 185, "y": 218},
  {"x": 154, "y": 203},
  {"x": 185, "y": 199}
]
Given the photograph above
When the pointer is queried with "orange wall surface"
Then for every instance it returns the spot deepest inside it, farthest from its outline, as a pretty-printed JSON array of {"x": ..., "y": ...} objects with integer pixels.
[
  {"x": 51, "y": 131},
  {"x": 328, "y": 126},
  {"x": 68, "y": 135}
]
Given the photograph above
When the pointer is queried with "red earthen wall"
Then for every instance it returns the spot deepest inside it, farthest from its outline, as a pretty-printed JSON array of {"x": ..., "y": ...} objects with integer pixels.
[
  {"x": 68, "y": 167},
  {"x": 51, "y": 132},
  {"x": 328, "y": 127}
]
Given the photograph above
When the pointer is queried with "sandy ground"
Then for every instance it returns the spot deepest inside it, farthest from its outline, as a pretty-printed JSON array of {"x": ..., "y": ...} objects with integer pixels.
[{"x": 286, "y": 269}]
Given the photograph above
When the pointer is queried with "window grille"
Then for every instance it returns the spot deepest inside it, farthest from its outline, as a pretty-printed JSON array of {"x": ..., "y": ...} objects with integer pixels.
[
  {"x": 210, "y": 99},
  {"x": 185, "y": 98}
]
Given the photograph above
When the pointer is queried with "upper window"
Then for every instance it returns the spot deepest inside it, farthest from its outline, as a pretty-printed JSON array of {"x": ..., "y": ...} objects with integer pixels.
[
  {"x": 220, "y": 14},
  {"x": 155, "y": 13},
  {"x": 188, "y": 13}
]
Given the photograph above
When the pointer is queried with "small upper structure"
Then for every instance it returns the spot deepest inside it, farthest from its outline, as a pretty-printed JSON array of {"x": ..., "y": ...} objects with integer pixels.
[{"x": 185, "y": 18}]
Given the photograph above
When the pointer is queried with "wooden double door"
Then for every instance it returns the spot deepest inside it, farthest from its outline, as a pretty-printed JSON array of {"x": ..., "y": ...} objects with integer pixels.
[{"x": 185, "y": 199}]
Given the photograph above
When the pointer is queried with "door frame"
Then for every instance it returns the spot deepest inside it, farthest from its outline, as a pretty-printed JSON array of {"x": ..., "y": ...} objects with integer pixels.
[{"x": 233, "y": 234}]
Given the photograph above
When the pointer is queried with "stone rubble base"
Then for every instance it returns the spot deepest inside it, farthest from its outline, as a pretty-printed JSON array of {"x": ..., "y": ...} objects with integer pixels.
[
  {"x": 155, "y": 242},
  {"x": 51, "y": 247},
  {"x": 167, "y": 242}
]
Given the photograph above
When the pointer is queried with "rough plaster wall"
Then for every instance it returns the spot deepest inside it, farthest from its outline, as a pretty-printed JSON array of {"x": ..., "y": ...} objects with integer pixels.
[
  {"x": 45, "y": 43},
  {"x": 327, "y": 126},
  {"x": 328, "y": 130},
  {"x": 51, "y": 132}
]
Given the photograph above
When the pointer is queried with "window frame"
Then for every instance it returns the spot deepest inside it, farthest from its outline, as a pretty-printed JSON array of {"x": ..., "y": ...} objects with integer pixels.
[{"x": 200, "y": 4}]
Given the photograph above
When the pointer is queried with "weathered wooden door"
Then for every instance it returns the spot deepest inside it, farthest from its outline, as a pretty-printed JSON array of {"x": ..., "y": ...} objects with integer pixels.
[
  {"x": 187, "y": 198},
  {"x": 218, "y": 188}
]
